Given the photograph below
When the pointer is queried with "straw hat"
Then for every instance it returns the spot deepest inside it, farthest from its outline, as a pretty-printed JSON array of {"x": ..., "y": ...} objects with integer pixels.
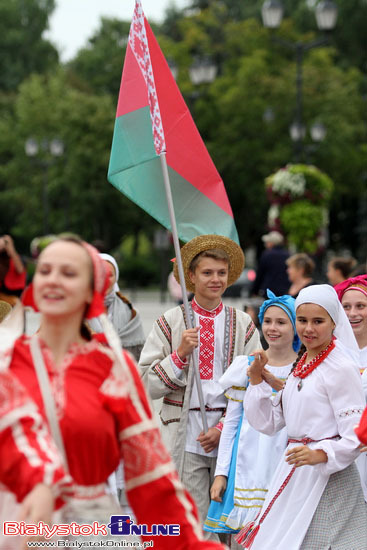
[
  {"x": 208, "y": 242},
  {"x": 5, "y": 308}
]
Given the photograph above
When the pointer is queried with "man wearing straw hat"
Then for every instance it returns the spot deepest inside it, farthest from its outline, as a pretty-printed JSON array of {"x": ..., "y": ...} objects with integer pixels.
[{"x": 220, "y": 333}]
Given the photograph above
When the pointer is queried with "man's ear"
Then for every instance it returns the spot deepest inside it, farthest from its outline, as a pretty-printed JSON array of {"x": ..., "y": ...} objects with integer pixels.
[{"x": 192, "y": 277}]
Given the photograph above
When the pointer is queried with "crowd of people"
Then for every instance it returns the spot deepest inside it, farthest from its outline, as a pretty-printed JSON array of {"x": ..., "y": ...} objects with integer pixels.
[{"x": 259, "y": 449}]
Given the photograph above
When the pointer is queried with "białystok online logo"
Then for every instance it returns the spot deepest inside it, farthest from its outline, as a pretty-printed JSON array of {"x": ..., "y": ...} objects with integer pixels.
[
  {"x": 118, "y": 526},
  {"x": 124, "y": 525}
]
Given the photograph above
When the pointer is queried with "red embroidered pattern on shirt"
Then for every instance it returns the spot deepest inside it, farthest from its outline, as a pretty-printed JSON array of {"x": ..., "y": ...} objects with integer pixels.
[
  {"x": 178, "y": 361},
  {"x": 206, "y": 354},
  {"x": 205, "y": 312},
  {"x": 12, "y": 395},
  {"x": 350, "y": 412},
  {"x": 57, "y": 374}
]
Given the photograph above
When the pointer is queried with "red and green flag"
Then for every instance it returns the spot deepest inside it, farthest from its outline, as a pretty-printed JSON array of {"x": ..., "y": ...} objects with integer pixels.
[{"x": 152, "y": 118}]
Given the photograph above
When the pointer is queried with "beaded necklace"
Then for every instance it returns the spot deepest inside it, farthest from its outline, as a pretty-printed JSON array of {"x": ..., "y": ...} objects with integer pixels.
[{"x": 302, "y": 370}]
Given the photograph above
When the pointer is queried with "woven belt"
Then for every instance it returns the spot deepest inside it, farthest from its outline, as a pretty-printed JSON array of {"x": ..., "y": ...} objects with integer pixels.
[
  {"x": 88, "y": 492},
  {"x": 208, "y": 409},
  {"x": 307, "y": 440}
]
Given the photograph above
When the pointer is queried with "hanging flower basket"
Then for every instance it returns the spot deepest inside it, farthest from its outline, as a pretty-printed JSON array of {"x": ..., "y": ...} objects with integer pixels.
[{"x": 299, "y": 196}]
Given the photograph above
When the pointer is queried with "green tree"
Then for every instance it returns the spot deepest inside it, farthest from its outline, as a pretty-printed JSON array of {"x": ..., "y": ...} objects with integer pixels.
[
  {"x": 79, "y": 196},
  {"x": 23, "y": 48},
  {"x": 256, "y": 74},
  {"x": 99, "y": 64}
]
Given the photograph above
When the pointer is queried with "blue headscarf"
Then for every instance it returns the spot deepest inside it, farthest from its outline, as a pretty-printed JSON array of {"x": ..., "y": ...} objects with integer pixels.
[{"x": 286, "y": 303}]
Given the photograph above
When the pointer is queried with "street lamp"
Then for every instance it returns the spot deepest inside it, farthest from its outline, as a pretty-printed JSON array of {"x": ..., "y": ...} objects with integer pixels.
[
  {"x": 326, "y": 15},
  {"x": 49, "y": 151},
  {"x": 203, "y": 70},
  {"x": 272, "y": 14},
  {"x": 318, "y": 131}
]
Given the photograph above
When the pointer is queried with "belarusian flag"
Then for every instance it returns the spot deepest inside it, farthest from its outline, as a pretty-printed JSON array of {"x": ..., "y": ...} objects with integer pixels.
[{"x": 152, "y": 118}]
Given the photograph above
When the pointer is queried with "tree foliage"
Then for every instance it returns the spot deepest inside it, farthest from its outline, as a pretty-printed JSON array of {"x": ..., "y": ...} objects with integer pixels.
[
  {"x": 22, "y": 46},
  {"x": 77, "y": 104},
  {"x": 79, "y": 196}
]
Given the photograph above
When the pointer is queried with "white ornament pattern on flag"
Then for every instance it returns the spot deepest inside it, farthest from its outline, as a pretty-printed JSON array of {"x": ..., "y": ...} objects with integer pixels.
[
  {"x": 139, "y": 45},
  {"x": 206, "y": 355}
]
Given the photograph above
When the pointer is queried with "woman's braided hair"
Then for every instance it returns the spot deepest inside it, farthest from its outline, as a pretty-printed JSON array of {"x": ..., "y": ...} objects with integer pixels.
[{"x": 302, "y": 350}]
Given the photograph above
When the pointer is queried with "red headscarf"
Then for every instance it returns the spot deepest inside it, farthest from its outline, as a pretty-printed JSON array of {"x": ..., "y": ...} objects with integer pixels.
[
  {"x": 100, "y": 284},
  {"x": 353, "y": 283}
]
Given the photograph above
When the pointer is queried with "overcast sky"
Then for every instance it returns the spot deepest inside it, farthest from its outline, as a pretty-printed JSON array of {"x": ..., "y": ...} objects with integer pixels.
[{"x": 74, "y": 21}]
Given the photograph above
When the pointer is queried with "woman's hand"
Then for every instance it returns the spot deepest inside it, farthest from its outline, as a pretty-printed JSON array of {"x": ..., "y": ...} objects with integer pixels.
[
  {"x": 304, "y": 456},
  {"x": 189, "y": 341},
  {"x": 256, "y": 368},
  {"x": 37, "y": 506},
  {"x": 276, "y": 383},
  {"x": 362, "y": 448},
  {"x": 218, "y": 488}
]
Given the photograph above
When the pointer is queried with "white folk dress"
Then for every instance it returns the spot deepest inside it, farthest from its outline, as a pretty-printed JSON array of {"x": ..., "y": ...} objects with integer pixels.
[
  {"x": 257, "y": 455},
  {"x": 329, "y": 404}
]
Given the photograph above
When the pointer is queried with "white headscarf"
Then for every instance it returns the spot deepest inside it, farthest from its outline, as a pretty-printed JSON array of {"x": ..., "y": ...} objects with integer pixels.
[
  {"x": 112, "y": 261},
  {"x": 326, "y": 297}
]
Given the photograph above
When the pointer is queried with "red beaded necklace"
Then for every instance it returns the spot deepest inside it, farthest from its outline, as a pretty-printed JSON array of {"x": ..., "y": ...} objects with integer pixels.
[{"x": 302, "y": 370}]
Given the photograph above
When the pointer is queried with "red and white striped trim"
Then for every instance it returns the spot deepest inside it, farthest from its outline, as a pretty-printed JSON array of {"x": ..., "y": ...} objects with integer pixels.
[{"x": 180, "y": 363}]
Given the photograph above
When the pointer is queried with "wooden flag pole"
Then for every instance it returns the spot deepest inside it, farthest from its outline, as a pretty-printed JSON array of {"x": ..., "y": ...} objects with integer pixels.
[{"x": 176, "y": 244}]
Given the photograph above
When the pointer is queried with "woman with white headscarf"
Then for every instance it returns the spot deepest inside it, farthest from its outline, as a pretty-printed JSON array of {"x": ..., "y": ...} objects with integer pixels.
[
  {"x": 315, "y": 500},
  {"x": 124, "y": 318}
]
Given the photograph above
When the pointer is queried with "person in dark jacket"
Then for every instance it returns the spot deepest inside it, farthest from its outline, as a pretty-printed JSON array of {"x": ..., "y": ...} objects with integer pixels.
[{"x": 272, "y": 269}]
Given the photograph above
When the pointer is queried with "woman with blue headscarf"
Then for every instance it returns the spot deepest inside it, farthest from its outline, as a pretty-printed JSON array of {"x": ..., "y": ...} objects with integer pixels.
[{"x": 246, "y": 458}]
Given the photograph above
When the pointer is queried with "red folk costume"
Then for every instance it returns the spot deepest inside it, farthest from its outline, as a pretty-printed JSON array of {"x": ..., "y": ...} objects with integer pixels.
[
  {"x": 27, "y": 454},
  {"x": 104, "y": 415}
]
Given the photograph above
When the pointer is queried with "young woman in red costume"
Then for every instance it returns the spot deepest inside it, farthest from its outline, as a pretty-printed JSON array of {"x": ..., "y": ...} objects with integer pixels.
[{"x": 95, "y": 393}]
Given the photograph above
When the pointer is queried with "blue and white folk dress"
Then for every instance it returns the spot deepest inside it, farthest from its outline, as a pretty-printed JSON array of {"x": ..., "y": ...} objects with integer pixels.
[{"x": 245, "y": 456}]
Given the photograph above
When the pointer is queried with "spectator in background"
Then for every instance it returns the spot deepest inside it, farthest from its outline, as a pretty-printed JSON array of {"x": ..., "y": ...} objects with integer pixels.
[
  {"x": 339, "y": 269},
  {"x": 120, "y": 311},
  {"x": 12, "y": 271},
  {"x": 360, "y": 269},
  {"x": 300, "y": 270},
  {"x": 271, "y": 272}
]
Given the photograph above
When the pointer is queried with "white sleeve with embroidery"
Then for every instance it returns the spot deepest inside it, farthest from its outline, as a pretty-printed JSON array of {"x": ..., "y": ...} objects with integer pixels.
[{"x": 344, "y": 389}]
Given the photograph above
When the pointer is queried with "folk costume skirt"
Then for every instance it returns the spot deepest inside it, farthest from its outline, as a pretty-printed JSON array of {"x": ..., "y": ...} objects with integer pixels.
[{"x": 340, "y": 519}]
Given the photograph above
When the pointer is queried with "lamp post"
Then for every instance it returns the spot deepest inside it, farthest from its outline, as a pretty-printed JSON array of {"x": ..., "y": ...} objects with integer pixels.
[
  {"x": 203, "y": 70},
  {"x": 326, "y": 14},
  {"x": 49, "y": 151},
  {"x": 317, "y": 132}
]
